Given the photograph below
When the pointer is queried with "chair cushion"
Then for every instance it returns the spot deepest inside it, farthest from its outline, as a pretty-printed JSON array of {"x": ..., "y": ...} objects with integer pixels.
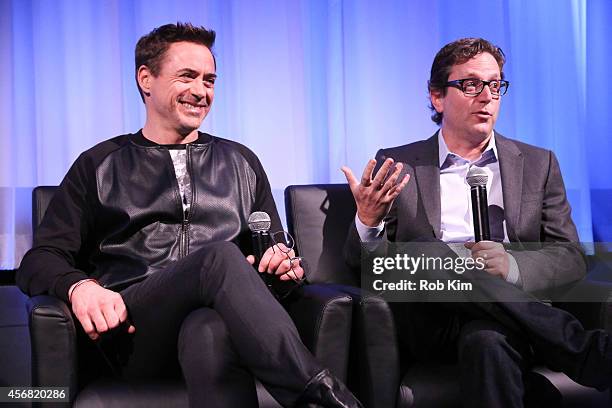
[
  {"x": 573, "y": 394},
  {"x": 437, "y": 385},
  {"x": 429, "y": 385},
  {"x": 110, "y": 393}
]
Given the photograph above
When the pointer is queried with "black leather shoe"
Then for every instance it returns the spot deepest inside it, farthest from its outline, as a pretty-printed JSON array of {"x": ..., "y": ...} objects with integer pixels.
[{"x": 326, "y": 391}]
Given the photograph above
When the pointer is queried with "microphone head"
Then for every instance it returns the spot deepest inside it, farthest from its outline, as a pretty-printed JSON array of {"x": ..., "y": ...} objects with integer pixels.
[
  {"x": 259, "y": 221},
  {"x": 477, "y": 176}
]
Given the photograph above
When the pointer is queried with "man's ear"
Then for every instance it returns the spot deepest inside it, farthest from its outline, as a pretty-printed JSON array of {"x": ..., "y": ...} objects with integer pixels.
[
  {"x": 144, "y": 77},
  {"x": 437, "y": 98}
]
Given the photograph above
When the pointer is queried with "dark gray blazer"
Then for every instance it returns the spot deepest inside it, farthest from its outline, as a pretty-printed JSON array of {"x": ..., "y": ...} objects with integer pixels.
[{"x": 536, "y": 209}]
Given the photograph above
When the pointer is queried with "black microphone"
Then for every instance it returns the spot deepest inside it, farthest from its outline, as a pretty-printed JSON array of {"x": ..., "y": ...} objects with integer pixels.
[
  {"x": 477, "y": 179},
  {"x": 259, "y": 224}
]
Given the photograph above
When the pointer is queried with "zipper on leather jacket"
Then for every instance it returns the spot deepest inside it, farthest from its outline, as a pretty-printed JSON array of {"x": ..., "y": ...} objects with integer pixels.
[
  {"x": 184, "y": 234},
  {"x": 184, "y": 239}
]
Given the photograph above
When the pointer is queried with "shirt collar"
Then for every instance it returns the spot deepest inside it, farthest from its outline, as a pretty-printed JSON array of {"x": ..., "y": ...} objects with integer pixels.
[
  {"x": 443, "y": 151},
  {"x": 139, "y": 139}
]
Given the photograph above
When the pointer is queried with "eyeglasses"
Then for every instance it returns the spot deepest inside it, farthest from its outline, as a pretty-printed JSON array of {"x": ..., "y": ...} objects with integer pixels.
[
  {"x": 474, "y": 87},
  {"x": 283, "y": 241}
]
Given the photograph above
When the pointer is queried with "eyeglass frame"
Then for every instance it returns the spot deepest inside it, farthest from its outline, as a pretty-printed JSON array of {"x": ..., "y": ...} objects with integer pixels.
[
  {"x": 291, "y": 259},
  {"x": 458, "y": 83}
]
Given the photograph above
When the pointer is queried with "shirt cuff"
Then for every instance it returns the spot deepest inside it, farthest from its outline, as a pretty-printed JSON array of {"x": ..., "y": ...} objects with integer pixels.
[
  {"x": 369, "y": 234},
  {"x": 514, "y": 276},
  {"x": 62, "y": 284}
]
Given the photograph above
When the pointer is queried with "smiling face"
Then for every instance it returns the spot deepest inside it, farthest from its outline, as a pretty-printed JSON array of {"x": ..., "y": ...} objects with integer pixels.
[
  {"x": 470, "y": 118},
  {"x": 179, "y": 97}
]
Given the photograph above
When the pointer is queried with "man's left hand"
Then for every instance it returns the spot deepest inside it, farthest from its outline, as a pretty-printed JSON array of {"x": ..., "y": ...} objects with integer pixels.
[
  {"x": 493, "y": 255},
  {"x": 280, "y": 262}
]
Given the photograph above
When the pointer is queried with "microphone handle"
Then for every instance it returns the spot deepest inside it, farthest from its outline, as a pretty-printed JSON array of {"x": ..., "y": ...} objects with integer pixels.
[
  {"x": 480, "y": 212},
  {"x": 261, "y": 242}
]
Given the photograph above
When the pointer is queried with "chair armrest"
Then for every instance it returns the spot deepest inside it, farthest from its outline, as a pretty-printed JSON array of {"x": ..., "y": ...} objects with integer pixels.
[
  {"x": 323, "y": 317},
  {"x": 590, "y": 302},
  {"x": 53, "y": 342},
  {"x": 375, "y": 359}
]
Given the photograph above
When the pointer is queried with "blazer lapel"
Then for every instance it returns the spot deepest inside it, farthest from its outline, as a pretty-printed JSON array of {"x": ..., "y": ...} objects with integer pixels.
[
  {"x": 427, "y": 173},
  {"x": 511, "y": 171}
]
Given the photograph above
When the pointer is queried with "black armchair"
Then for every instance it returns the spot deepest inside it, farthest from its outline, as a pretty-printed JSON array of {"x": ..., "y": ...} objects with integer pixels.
[
  {"x": 60, "y": 352},
  {"x": 319, "y": 216}
]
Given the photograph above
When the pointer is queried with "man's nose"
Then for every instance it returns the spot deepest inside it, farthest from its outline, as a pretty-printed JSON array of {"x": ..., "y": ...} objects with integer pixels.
[
  {"x": 486, "y": 93},
  {"x": 197, "y": 89}
]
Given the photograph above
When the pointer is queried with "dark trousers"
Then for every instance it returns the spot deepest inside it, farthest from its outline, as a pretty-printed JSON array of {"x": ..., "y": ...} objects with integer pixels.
[
  {"x": 493, "y": 361},
  {"x": 212, "y": 310},
  {"x": 495, "y": 341}
]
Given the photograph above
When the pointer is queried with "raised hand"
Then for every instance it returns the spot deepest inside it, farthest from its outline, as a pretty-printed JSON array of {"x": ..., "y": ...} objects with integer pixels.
[{"x": 374, "y": 195}]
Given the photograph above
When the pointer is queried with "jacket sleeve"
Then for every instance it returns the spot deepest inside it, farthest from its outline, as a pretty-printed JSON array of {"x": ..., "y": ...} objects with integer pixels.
[
  {"x": 264, "y": 200},
  {"x": 558, "y": 259},
  {"x": 51, "y": 266}
]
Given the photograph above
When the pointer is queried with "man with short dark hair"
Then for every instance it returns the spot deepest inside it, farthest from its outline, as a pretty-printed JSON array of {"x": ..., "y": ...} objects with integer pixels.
[
  {"x": 419, "y": 193},
  {"x": 144, "y": 239}
]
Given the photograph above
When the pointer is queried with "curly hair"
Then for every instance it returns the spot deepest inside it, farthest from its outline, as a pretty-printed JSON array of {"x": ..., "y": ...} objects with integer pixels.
[{"x": 455, "y": 53}]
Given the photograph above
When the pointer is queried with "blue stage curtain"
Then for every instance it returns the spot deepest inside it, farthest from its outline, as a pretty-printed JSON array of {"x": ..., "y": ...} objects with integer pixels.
[{"x": 309, "y": 85}]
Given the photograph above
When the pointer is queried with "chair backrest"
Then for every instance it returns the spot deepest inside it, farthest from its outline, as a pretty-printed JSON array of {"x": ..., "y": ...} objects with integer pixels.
[
  {"x": 41, "y": 197},
  {"x": 318, "y": 217}
]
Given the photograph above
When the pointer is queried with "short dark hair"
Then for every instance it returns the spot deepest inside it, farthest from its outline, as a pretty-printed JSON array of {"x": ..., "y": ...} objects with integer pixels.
[
  {"x": 455, "y": 53},
  {"x": 151, "y": 48}
]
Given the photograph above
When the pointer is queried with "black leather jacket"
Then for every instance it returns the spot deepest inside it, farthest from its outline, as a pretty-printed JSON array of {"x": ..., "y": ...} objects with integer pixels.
[{"x": 117, "y": 215}]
